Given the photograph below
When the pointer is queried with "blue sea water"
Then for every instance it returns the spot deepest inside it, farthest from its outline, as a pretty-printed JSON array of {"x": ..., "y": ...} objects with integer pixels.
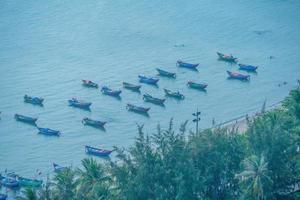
[{"x": 47, "y": 47}]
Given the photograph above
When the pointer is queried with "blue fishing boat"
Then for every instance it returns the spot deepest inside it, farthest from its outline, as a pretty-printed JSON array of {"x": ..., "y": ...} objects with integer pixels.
[
  {"x": 180, "y": 63},
  {"x": 89, "y": 83},
  {"x": 149, "y": 98},
  {"x": 10, "y": 182},
  {"x": 199, "y": 86},
  {"x": 176, "y": 95},
  {"x": 79, "y": 104},
  {"x": 27, "y": 182},
  {"x": 148, "y": 80},
  {"x": 249, "y": 68},
  {"x": 228, "y": 58},
  {"x": 132, "y": 86},
  {"x": 166, "y": 73},
  {"x": 107, "y": 91},
  {"x": 33, "y": 100},
  {"x": 57, "y": 168},
  {"x": 26, "y": 119},
  {"x": 138, "y": 109},
  {"x": 3, "y": 196},
  {"x": 48, "y": 131},
  {"x": 97, "y": 152},
  {"x": 235, "y": 75},
  {"x": 91, "y": 122}
]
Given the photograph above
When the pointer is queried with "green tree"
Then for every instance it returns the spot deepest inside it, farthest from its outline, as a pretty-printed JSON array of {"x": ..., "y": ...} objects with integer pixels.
[{"x": 28, "y": 194}]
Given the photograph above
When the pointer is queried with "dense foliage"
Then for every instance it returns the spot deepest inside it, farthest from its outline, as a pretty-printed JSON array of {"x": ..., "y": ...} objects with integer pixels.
[{"x": 214, "y": 164}]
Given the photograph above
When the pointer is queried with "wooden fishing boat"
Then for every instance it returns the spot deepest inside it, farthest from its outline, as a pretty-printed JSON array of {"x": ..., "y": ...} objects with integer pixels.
[
  {"x": 176, "y": 95},
  {"x": 180, "y": 63},
  {"x": 228, "y": 58},
  {"x": 26, "y": 119},
  {"x": 33, "y": 100},
  {"x": 27, "y": 182},
  {"x": 89, "y": 83},
  {"x": 97, "y": 152},
  {"x": 235, "y": 75},
  {"x": 148, "y": 80},
  {"x": 10, "y": 182},
  {"x": 107, "y": 91},
  {"x": 199, "y": 86},
  {"x": 48, "y": 131},
  {"x": 149, "y": 98},
  {"x": 132, "y": 86},
  {"x": 79, "y": 104},
  {"x": 57, "y": 168},
  {"x": 91, "y": 122},
  {"x": 138, "y": 109},
  {"x": 3, "y": 196},
  {"x": 249, "y": 68},
  {"x": 166, "y": 73}
]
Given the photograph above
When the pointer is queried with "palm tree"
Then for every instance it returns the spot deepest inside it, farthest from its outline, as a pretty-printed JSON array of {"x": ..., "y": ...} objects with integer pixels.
[
  {"x": 28, "y": 194},
  {"x": 255, "y": 177}
]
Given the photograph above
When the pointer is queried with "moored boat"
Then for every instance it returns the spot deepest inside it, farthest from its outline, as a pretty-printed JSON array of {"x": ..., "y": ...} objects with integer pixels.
[
  {"x": 57, "y": 168},
  {"x": 149, "y": 98},
  {"x": 249, "y": 68},
  {"x": 79, "y": 104},
  {"x": 132, "y": 86},
  {"x": 166, "y": 73},
  {"x": 10, "y": 182},
  {"x": 176, "y": 95},
  {"x": 25, "y": 119},
  {"x": 3, "y": 196},
  {"x": 91, "y": 122},
  {"x": 33, "y": 100},
  {"x": 89, "y": 83},
  {"x": 180, "y": 63},
  {"x": 228, "y": 58},
  {"x": 235, "y": 75},
  {"x": 97, "y": 152},
  {"x": 48, "y": 131},
  {"x": 148, "y": 80},
  {"x": 199, "y": 86},
  {"x": 27, "y": 182},
  {"x": 107, "y": 91},
  {"x": 139, "y": 109}
]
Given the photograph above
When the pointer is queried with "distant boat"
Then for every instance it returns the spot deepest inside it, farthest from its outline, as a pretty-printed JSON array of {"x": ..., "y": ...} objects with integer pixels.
[
  {"x": 132, "y": 86},
  {"x": 57, "y": 168},
  {"x": 89, "y": 83},
  {"x": 149, "y": 98},
  {"x": 3, "y": 196},
  {"x": 10, "y": 182},
  {"x": 33, "y": 100},
  {"x": 27, "y": 182},
  {"x": 180, "y": 63},
  {"x": 97, "y": 152},
  {"x": 48, "y": 131},
  {"x": 199, "y": 86},
  {"x": 148, "y": 80},
  {"x": 26, "y": 119},
  {"x": 91, "y": 122},
  {"x": 137, "y": 108},
  {"x": 228, "y": 58},
  {"x": 235, "y": 75},
  {"x": 79, "y": 104},
  {"x": 250, "y": 68},
  {"x": 166, "y": 73},
  {"x": 176, "y": 95},
  {"x": 107, "y": 91}
]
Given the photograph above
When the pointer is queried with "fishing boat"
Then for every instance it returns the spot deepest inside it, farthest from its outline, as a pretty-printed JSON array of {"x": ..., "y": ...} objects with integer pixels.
[
  {"x": 79, "y": 104},
  {"x": 33, "y": 100},
  {"x": 26, "y": 119},
  {"x": 107, "y": 91},
  {"x": 3, "y": 196},
  {"x": 148, "y": 80},
  {"x": 27, "y": 182},
  {"x": 176, "y": 95},
  {"x": 97, "y": 152},
  {"x": 10, "y": 182},
  {"x": 138, "y": 109},
  {"x": 149, "y": 98},
  {"x": 91, "y": 122},
  {"x": 199, "y": 86},
  {"x": 166, "y": 73},
  {"x": 132, "y": 86},
  {"x": 180, "y": 63},
  {"x": 249, "y": 68},
  {"x": 89, "y": 83},
  {"x": 57, "y": 168},
  {"x": 235, "y": 75},
  {"x": 48, "y": 131},
  {"x": 228, "y": 58}
]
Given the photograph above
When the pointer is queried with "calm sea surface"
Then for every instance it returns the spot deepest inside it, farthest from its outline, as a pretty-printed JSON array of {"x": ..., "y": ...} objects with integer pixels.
[{"x": 47, "y": 47}]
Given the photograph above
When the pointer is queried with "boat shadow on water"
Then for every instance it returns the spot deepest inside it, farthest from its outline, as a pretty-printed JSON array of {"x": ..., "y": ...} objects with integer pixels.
[
  {"x": 140, "y": 113},
  {"x": 81, "y": 108},
  {"x": 243, "y": 81}
]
